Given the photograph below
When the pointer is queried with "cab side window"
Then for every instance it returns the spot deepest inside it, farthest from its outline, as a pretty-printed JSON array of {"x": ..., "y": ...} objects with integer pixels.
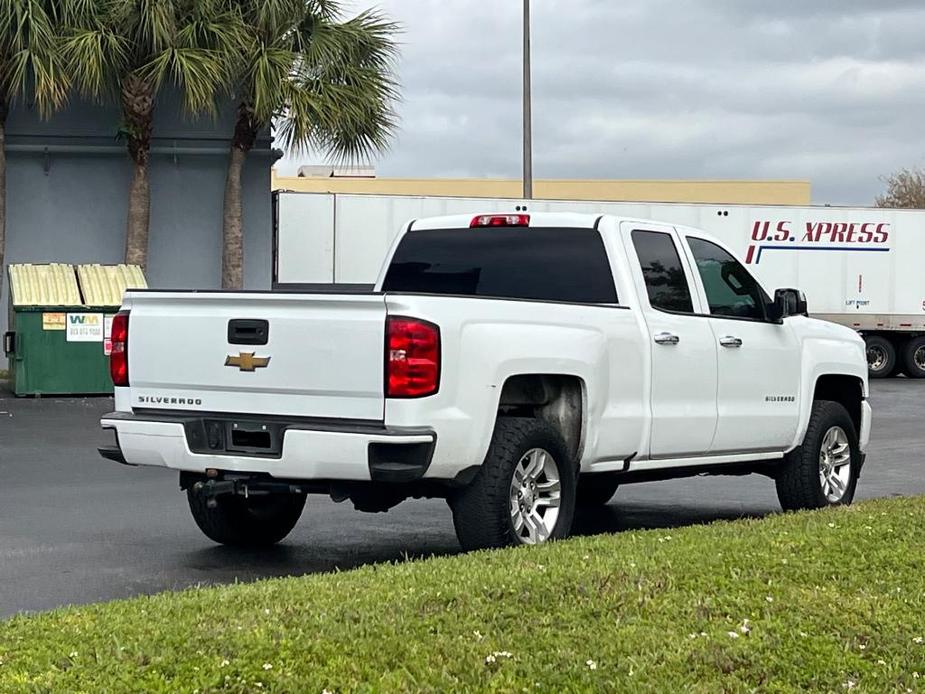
[
  {"x": 664, "y": 275},
  {"x": 731, "y": 290}
]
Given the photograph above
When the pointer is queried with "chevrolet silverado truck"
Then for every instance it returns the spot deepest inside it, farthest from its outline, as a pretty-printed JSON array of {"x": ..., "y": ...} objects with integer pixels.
[{"x": 516, "y": 365}]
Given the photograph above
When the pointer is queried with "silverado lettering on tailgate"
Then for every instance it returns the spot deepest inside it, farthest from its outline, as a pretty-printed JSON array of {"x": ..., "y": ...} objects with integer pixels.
[{"x": 164, "y": 400}]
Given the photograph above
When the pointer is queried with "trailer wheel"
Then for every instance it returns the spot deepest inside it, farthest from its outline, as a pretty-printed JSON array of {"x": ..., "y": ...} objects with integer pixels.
[
  {"x": 258, "y": 521},
  {"x": 914, "y": 357},
  {"x": 881, "y": 356}
]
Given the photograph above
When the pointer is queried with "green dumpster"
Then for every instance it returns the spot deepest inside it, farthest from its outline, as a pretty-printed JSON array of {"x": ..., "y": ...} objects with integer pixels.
[
  {"x": 44, "y": 357},
  {"x": 56, "y": 343}
]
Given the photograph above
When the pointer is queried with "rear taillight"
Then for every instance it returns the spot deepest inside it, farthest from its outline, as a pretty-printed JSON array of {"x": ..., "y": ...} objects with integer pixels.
[
  {"x": 412, "y": 358},
  {"x": 118, "y": 357}
]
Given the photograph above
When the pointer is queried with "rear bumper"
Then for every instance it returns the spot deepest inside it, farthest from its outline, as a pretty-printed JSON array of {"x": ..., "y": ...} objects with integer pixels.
[{"x": 308, "y": 451}]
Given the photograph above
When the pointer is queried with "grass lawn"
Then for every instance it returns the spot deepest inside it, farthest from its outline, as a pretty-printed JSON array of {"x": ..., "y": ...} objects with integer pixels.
[{"x": 829, "y": 601}]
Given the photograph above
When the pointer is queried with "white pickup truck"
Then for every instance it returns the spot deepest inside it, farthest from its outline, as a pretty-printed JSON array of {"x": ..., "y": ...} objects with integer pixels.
[{"x": 516, "y": 365}]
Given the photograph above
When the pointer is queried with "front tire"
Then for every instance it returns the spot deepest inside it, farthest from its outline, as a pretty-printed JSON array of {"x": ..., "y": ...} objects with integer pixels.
[
  {"x": 257, "y": 521},
  {"x": 524, "y": 492},
  {"x": 823, "y": 471}
]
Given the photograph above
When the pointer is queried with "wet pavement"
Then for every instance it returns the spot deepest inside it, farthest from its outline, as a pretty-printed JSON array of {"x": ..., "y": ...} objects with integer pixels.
[{"x": 75, "y": 528}]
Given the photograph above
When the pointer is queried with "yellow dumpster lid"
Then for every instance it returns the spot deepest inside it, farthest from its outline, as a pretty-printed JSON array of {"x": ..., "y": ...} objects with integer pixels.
[
  {"x": 54, "y": 284},
  {"x": 104, "y": 285}
]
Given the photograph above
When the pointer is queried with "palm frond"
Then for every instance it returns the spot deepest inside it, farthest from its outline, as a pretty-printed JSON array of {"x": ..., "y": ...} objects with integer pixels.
[
  {"x": 324, "y": 82},
  {"x": 347, "y": 68},
  {"x": 95, "y": 57},
  {"x": 190, "y": 44},
  {"x": 30, "y": 55},
  {"x": 349, "y": 120},
  {"x": 73, "y": 13},
  {"x": 154, "y": 26},
  {"x": 196, "y": 72},
  {"x": 217, "y": 27},
  {"x": 325, "y": 10},
  {"x": 266, "y": 79},
  {"x": 272, "y": 18},
  {"x": 366, "y": 40}
]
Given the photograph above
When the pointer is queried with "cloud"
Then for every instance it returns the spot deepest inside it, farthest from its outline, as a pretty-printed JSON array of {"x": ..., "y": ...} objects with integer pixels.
[{"x": 829, "y": 90}]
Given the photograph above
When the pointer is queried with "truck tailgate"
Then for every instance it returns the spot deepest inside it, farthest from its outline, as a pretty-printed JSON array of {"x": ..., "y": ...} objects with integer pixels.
[{"x": 322, "y": 357}]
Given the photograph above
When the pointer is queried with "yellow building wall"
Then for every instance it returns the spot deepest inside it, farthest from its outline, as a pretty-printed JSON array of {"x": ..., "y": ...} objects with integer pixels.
[{"x": 731, "y": 192}]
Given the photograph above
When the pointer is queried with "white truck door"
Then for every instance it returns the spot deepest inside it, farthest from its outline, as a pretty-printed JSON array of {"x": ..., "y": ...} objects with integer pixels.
[
  {"x": 759, "y": 361},
  {"x": 683, "y": 393}
]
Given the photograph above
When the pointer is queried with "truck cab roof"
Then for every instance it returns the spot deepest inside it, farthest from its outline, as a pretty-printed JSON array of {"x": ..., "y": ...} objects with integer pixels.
[
  {"x": 536, "y": 219},
  {"x": 562, "y": 220},
  {"x": 575, "y": 220}
]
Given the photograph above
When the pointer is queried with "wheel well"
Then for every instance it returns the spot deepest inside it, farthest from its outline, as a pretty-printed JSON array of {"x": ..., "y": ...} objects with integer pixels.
[
  {"x": 846, "y": 390},
  {"x": 554, "y": 398}
]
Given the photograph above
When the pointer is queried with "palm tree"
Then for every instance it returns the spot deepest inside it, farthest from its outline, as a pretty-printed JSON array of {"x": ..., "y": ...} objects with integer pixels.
[
  {"x": 325, "y": 82},
  {"x": 30, "y": 59},
  {"x": 127, "y": 49}
]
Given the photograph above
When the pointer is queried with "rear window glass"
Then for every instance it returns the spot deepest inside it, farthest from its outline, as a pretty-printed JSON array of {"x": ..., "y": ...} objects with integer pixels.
[
  {"x": 666, "y": 282},
  {"x": 541, "y": 263}
]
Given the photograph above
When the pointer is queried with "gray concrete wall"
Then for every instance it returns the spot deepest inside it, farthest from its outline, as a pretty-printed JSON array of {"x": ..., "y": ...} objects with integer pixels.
[{"x": 72, "y": 207}]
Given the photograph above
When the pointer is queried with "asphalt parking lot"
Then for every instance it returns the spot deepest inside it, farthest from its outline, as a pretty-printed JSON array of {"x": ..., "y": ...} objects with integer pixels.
[{"x": 75, "y": 528}]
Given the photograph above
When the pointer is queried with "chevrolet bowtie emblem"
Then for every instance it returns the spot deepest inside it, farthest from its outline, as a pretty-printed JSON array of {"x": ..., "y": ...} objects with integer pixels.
[{"x": 246, "y": 361}]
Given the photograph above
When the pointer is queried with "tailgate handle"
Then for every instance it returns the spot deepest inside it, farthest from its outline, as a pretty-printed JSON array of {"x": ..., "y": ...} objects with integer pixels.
[{"x": 246, "y": 331}]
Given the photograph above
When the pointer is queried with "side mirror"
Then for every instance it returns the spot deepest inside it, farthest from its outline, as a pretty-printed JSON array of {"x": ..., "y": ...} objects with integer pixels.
[{"x": 788, "y": 302}]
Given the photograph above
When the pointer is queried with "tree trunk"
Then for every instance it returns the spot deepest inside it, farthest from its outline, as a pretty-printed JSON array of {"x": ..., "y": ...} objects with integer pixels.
[
  {"x": 245, "y": 134},
  {"x": 139, "y": 213},
  {"x": 233, "y": 224},
  {"x": 138, "y": 114},
  {"x": 4, "y": 111}
]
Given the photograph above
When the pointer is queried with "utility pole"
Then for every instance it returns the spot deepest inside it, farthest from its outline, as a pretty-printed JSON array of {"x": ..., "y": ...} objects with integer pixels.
[{"x": 528, "y": 113}]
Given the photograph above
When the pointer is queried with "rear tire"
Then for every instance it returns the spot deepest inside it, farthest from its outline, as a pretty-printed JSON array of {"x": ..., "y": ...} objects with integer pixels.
[
  {"x": 914, "y": 357},
  {"x": 258, "y": 521},
  {"x": 488, "y": 511},
  {"x": 596, "y": 490},
  {"x": 881, "y": 356},
  {"x": 823, "y": 471}
]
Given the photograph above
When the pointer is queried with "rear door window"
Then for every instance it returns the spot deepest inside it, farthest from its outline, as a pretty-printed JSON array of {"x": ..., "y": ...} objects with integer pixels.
[
  {"x": 539, "y": 263},
  {"x": 666, "y": 282}
]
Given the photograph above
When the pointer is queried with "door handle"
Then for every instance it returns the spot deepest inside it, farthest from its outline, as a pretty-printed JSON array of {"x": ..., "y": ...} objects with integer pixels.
[
  {"x": 730, "y": 341},
  {"x": 667, "y": 339}
]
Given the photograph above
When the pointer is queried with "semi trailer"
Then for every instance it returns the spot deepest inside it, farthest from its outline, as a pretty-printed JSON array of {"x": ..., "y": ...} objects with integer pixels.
[{"x": 859, "y": 267}]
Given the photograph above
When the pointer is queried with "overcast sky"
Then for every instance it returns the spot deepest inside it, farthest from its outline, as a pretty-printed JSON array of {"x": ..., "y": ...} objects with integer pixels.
[{"x": 827, "y": 90}]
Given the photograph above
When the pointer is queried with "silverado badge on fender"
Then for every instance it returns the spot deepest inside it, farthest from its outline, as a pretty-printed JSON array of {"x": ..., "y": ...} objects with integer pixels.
[{"x": 246, "y": 361}]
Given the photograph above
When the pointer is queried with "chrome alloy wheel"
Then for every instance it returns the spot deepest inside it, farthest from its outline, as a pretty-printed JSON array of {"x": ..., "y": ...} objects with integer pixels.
[
  {"x": 876, "y": 358},
  {"x": 535, "y": 497},
  {"x": 835, "y": 464},
  {"x": 919, "y": 357}
]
